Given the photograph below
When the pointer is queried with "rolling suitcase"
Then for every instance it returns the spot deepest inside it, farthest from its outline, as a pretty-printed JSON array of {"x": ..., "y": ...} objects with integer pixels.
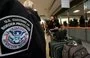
[
  {"x": 52, "y": 44},
  {"x": 58, "y": 51},
  {"x": 55, "y": 48}
]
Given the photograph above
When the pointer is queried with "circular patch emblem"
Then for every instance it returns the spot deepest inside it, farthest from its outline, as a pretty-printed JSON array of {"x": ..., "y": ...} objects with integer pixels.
[{"x": 15, "y": 37}]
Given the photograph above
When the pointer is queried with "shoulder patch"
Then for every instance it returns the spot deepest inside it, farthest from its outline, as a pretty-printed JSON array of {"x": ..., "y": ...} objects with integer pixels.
[{"x": 15, "y": 34}]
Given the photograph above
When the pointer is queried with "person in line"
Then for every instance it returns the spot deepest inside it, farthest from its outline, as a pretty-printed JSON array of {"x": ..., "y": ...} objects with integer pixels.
[{"x": 53, "y": 23}]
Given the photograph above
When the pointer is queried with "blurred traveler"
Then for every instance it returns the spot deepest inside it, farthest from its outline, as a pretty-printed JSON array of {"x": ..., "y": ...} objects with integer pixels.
[
  {"x": 82, "y": 21},
  {"x": 53, "y": 23}
]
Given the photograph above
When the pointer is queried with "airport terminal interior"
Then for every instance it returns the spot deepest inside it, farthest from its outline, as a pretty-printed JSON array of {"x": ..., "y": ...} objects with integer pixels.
[
  {"x": 72, "y": 15},
  {"x": 65, "y": 25}
]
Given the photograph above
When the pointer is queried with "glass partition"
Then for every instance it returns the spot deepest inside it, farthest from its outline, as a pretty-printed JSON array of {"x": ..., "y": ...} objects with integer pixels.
[{"x": 73, "y": 16}]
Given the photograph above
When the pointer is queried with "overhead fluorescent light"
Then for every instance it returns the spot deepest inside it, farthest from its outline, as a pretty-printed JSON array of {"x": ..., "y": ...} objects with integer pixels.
[
  {"x": 28, "y": 4},
  {"x": 76, "y": 11},
  {"x": 35, "y": 9},
  {"x": 88, "y": 11}
]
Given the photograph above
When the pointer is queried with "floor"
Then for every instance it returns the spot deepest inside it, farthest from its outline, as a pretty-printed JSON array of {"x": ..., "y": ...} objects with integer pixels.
[{"x": 48, "y": 39}]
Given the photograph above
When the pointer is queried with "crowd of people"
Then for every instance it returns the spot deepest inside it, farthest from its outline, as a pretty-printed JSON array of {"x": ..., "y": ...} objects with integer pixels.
[
  {"x": 82, "y": 22},
  {"x": 53, "y": 23}
]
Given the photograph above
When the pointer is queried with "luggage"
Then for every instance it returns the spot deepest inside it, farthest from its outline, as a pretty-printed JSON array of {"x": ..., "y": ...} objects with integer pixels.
[
  {"x": 70, "y": 39},
  {"x": 53, "y": 33},
  {"x": 74, "y": 50},
  {"x": 88, "y": 56},
  {"x": 56, "y": 49},
  {"x": 59, "y": 35},
  {"x": 78, "y": 52},
  {"x": 58, "y": 52}
]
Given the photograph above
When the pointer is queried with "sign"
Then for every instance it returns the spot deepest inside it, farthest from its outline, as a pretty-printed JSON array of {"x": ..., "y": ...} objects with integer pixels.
[{"x": 65, "y": 3}]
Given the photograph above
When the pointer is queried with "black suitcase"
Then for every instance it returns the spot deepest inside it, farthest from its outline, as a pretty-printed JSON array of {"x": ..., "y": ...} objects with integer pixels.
[{"x": 56, "y": 49}]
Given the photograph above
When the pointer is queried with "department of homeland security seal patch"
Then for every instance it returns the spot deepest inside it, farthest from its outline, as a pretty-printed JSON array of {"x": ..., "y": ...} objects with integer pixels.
[
  {"x": 15, "y": 34},
  {"x": 15, "y": 37}
]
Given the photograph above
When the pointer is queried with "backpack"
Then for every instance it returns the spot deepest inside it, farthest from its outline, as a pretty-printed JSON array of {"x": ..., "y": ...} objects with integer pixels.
[
  {"x": 88, "y": 56},
  {"x": 74, "y": 51}
]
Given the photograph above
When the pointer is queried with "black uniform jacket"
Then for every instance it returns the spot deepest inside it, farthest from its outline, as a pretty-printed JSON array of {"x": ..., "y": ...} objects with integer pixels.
[{"x": 20, "y": 33}]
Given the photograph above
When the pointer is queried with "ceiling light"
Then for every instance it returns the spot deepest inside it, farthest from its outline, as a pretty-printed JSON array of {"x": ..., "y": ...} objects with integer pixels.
[
  {"x": 88, "y": 11},
  {"x": 35, "y": 9},
  {"x": 28, "y": 4},
  {"x": 76, "y": 11}
]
